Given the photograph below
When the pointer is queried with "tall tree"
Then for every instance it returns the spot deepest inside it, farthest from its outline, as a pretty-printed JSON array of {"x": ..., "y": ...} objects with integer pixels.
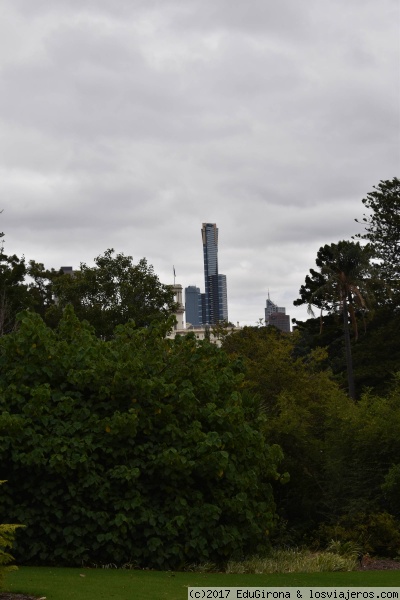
[
  {"x": 382, "y": 230},
  {"x": 111, "y": 293},
  {"x": 342, "y": 284},
  {"x": 41, "y": 286},
  {"x": 14, "y": 295}
]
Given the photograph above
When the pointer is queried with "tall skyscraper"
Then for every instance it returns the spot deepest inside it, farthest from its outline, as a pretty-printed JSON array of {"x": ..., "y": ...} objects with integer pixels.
[
  {"x": 215, "y": 305},
  {"x": 276, "y": 316}
]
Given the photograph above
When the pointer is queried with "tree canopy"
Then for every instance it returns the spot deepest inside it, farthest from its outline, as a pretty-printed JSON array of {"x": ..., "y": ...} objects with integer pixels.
[
  {"x": 344, "y": 283},
  {"x": 14, "y": 295},
  {"x": 344, "y": 275},
  {"x": 382, "y": 229},
  {"x": 111, "y": 293}
]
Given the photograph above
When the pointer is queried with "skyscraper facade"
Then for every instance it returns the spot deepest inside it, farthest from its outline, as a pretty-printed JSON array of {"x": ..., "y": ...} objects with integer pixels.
[
  {"x": 276, "y": 316},
  {"x": 193, "y": 305},
  {"x": 215, "y": 304},
  {"x": 222, "y": 298}
]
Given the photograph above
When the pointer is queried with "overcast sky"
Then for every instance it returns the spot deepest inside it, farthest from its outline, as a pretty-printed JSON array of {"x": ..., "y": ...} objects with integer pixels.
[{"x": 129, "y": 123}]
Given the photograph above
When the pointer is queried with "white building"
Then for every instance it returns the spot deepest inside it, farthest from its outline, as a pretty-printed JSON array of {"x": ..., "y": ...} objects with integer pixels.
[{"x": 201, "y": 332}]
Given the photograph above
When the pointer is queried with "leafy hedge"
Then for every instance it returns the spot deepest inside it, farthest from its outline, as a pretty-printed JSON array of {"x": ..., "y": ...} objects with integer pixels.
[{"x": 138, "y": 449}]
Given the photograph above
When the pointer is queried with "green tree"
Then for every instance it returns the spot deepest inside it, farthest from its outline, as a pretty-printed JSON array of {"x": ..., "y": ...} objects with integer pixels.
[
  {"x": 40, "y": 286},
  {"x": 299, "y": 398},
  {"x": 382, "y": 230},
  {"x": 344, "y": 283},
  {"x": 361, "y": 481},
  {"x": 145, "y": 448},
  {"x": 14, "y": 295},
  {"x": 342, "y": 456},
  {"x": 111, "y": 293},
  {"x": 377, "y": 355}
]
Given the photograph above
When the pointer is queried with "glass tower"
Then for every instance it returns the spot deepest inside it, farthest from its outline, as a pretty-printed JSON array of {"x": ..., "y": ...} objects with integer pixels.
[
  {"x": 215, "y": 306},
  {"x": 193, "y": 307}
]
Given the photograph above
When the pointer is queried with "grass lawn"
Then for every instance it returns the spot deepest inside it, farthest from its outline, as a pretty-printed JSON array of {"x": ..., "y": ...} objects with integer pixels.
[{"x": 109, "y": 584}]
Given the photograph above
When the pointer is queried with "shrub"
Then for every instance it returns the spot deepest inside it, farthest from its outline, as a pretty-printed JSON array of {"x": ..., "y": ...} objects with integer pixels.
[
  {"x": 7, "y": 535},
  {"x": 375, "y": 533},
  {"x": 145, "y": 449},
  {"x": 351, "y": 549}
]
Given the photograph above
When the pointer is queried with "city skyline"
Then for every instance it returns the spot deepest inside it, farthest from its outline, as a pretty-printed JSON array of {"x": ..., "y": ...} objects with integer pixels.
[
  {"x": 211, "y": 306},
  {"x": 127, "y": 124}
]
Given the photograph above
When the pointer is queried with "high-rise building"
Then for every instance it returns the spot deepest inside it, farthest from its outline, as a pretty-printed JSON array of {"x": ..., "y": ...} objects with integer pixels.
[
  {"x": 193, "y": 305},
  {"x": 276, "y": 316},
  {"x": 222, "y": 298},
  {"x": 215, "y": 305}
]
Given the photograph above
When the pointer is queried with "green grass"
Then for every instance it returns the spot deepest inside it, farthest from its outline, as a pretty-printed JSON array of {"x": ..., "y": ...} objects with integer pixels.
[
  {"x": 294, "y": 561},
  {"x": 109, "y": 584}
]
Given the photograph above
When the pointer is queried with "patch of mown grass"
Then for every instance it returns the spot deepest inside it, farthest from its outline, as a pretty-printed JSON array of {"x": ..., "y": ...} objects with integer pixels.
[{"x": 109, "y": 584}]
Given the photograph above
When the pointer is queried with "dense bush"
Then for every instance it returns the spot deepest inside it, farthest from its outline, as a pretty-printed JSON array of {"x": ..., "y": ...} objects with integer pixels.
[
  {"x": 362, "y": 450},
  {"x": 138, "y": 449},
  {"x": 375, "y": 533},
  {"x": 7, "y": 537},
  {"x": 302, "y": 403},
  {"x": 342, "y": 456}
]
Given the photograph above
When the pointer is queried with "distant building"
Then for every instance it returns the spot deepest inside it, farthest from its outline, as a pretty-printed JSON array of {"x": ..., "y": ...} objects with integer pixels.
[
  {"x": 215, "y": 300},
  {"x": 276, "y": 316},
  {"x": 222, "y": 298},
  {"x": 201, "y": 332},
  {"x": 67, "y": 270},
  {"x": 193, "y": 305}
]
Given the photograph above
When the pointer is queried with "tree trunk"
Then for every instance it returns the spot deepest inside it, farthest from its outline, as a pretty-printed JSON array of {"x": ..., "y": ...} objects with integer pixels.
[{"x": 349, "y": 359}]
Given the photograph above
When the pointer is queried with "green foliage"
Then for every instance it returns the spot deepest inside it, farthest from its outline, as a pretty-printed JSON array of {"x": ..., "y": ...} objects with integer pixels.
[
  {"x": 382, "y": 226},
  {"x": 145, "y": 449},
  {"x": 360, "y": 484},
  {"x": 294, "y": 561},
  {"x": 41, "y": 286},
  {"x": 300, "y": 400},
  {"x": 342, "y": 457},
  {"x": 376, "y": 354},
  {"x": 14, "y": 295},
  {"x": 344, "y": 283},
  {"x": 111, "y": 293},
  {"x": 7, "y": 537},
  {"x": 349, "y": 548},
  {"x": 344, "y": 274},
  {"x": 391, "y": 489},
  {"x": 361, "y": 449},
  {"x": 376, "y": 533}
]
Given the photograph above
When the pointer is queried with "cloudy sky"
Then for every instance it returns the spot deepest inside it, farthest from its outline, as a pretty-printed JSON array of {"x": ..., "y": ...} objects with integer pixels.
[{"x": 129, "y": 123}]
